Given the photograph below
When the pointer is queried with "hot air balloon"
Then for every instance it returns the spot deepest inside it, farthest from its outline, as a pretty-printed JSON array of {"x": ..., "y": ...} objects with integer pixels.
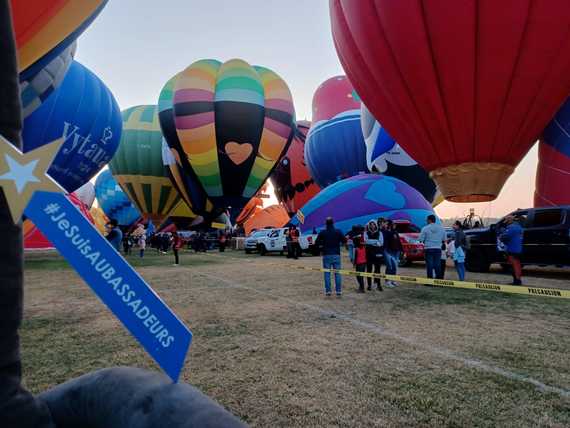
[
  {"x": 113, "y": 201},
  {"x": 254, "y": 206},
  {"x": 291, "y": 178},
  {"x": 38, "y": 87},
  {"x": 181, "y": 173},
  {"x": 385, "y": 156},
  {"x": 85, "y": 113},
  {"x": 137, "y": 166},
  {"x": 44, "y": 28},
  {"x": 233, "y": 123},
  {"x": 335, "y": 147},
  {"x": 272, "y": 216},
  {"x": 361, "y": 198},
  {"x": 553, "y": 172},
  {"x": 464, "y": 87},
  {"x": 86, "y": 194}
]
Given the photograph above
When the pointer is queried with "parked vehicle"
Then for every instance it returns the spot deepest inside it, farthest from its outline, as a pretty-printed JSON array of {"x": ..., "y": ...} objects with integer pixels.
[
  {"x": 276, "y": 241},
  {"x": 250, "y": 243},
  {"x": 409, "y": 237},
  {"x": 546, "y": 240}
]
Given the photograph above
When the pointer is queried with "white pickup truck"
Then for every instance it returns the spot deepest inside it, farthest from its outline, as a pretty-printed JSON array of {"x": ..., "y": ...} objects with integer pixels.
[{"x": 276, "y": 242}]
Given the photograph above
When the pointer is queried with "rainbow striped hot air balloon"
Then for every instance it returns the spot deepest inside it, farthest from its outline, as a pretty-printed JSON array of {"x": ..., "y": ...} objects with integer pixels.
[
  {"x": 233, "y": 123},
  {"x": 138, "y": 167}
]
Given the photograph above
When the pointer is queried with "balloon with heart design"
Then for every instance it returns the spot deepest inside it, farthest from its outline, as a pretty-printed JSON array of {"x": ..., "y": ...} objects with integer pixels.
[{"x": 229, "y": 125}]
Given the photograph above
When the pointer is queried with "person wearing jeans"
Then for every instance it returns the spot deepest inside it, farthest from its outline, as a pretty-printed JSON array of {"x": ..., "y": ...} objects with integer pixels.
[
  {"x": 329, "y": 241},
  {"x": 432, "y": 236},
  {"x": 512, "y": 238}
]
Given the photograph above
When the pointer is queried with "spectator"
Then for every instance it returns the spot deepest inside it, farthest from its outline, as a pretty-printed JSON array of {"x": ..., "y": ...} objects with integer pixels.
[
  {"x": 359, "y": 260},
  {"x": 432, "y": 236},
  {"x": 443, "y": 260},
  {"x": 392, "y": 250},
  {"x": 374, "y": 242},
  {"x": 330, "y": 241},
  {"x": 295, "y": 247},
  {"x": 459, "y": 245},
  {"x": 127, "y": 243},
  {"x": 512, "y": 238},
  {"x": 176, "y": 245},
  {"x": 115, "y": 235},
  {"x": 222, "y": 242},
  {"x": 142, "y": 244}
]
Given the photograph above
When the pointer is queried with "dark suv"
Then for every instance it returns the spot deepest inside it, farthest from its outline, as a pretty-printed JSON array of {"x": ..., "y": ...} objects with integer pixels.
[{"x": 546, "y": 239}]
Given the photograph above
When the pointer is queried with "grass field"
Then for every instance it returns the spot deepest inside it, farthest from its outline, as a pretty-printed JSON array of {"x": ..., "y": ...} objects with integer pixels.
[{"x": 270, "y": 348}]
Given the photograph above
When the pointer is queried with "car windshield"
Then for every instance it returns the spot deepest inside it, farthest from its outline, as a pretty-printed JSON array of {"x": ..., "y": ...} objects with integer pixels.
[
  {"x": 407, "y": 228},
  {"x": 258, "y": 234}
]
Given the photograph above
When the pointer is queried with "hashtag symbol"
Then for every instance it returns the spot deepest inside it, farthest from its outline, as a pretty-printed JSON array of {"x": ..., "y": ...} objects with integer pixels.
[{"x": 51, "y": 208}]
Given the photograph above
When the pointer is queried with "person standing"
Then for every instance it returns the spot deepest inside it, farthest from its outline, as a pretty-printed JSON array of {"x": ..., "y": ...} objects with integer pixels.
[
  {"x": 359, "y": 263},
  {"x": 443, "y": 260},
  {"x": 115, "y": 235},
  {"x": 392, "y": 249},
  {"x": 433, "y": 237},
  {"x": 374, "y": 242},
  {"x": 459, "y": 249},
  {"x": 512, "y": 238},
  {"x": 295, "y": 246},
  {"x": 330, "y": 240},
  {"x": 176, "y": 245},
  {"x": 222, "y": 242},
  {"x": 142, "y": 244}
]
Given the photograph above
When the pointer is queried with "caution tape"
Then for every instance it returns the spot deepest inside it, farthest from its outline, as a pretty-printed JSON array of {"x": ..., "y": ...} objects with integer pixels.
[{"x": 481, "y": 286}]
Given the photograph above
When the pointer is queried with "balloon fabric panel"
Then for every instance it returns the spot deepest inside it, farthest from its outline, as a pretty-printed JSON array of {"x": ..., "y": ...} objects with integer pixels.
[
  {"x": 181, "y": 174},
  {"x": 85, "y": 113},
  {"x": 138, "y": 166},
  {"x": 46, "y": 27},
  {"x": 113, "y": 200}
]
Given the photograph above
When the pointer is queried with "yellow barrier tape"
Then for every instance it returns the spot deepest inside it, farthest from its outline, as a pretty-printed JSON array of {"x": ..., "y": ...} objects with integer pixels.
[{"x": 480, "y": 285}]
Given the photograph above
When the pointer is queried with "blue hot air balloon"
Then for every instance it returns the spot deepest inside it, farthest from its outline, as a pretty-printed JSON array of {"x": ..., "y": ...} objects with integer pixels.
[
  {"x": 83, "y": 111},
  {"x": 113, "y": 201},
  {"x": 335, "y": 148}
]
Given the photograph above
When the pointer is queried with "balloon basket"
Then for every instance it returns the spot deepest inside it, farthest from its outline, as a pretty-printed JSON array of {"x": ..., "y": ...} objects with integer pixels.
[{"x": 472, "y": 182}]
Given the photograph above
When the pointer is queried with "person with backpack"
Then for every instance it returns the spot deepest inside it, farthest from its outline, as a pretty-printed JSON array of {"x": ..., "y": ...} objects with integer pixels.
[{"x": 374, "y": 243}]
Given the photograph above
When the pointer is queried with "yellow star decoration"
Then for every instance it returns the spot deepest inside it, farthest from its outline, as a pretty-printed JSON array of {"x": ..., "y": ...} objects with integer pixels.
[{"x": 21, "y": 174}]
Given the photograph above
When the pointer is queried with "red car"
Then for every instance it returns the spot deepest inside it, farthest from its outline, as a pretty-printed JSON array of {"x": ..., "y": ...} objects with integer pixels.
[{"x": 409, "y": 237}]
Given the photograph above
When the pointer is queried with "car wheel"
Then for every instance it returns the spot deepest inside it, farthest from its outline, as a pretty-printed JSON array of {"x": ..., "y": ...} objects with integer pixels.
[
  {"x": 248, "y": 251},
  {"x": 262, "y": 250},
  {"x": 476, "y": 261}
]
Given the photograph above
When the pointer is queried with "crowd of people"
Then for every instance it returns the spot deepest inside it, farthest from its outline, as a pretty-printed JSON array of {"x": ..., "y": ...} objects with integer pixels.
[{"x": 379, "y": 243}]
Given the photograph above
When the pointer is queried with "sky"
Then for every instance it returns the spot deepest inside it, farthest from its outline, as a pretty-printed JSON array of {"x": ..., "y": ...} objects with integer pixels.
[{"x": 135, "y": 46}]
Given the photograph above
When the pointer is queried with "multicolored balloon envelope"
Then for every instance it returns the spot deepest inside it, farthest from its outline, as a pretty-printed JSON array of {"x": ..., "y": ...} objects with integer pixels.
[
  {"x": 85, "y": 113},
  {"x": 113, "y": 201},
  {"x": 44, "y": 28},
  {"x": 464, "y": 87},
  {"x": 385, "y": 156},
  {"x": 233, "y": 123},
  {"x": 553, "y": 173},
  {"x": 36, "y": 89},
  {"x": 181, "y": 173},
  {"x": 291, "y": 179},
  {"x": 361, "y": 198},
  {"x": 138, "y": 167},
  {"x": 335, "y": 146}
]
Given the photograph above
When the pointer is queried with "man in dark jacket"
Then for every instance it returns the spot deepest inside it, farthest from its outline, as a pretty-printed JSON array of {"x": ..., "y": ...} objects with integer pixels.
[
  {"x": 115, "y": 235},
  {"x": 329, "y": 241}
]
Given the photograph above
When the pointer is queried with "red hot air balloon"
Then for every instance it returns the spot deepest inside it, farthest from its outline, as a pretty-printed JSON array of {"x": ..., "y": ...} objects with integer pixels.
[
  {"x": 465, "y": 87},
  {"x": 334, "y": 96}
]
